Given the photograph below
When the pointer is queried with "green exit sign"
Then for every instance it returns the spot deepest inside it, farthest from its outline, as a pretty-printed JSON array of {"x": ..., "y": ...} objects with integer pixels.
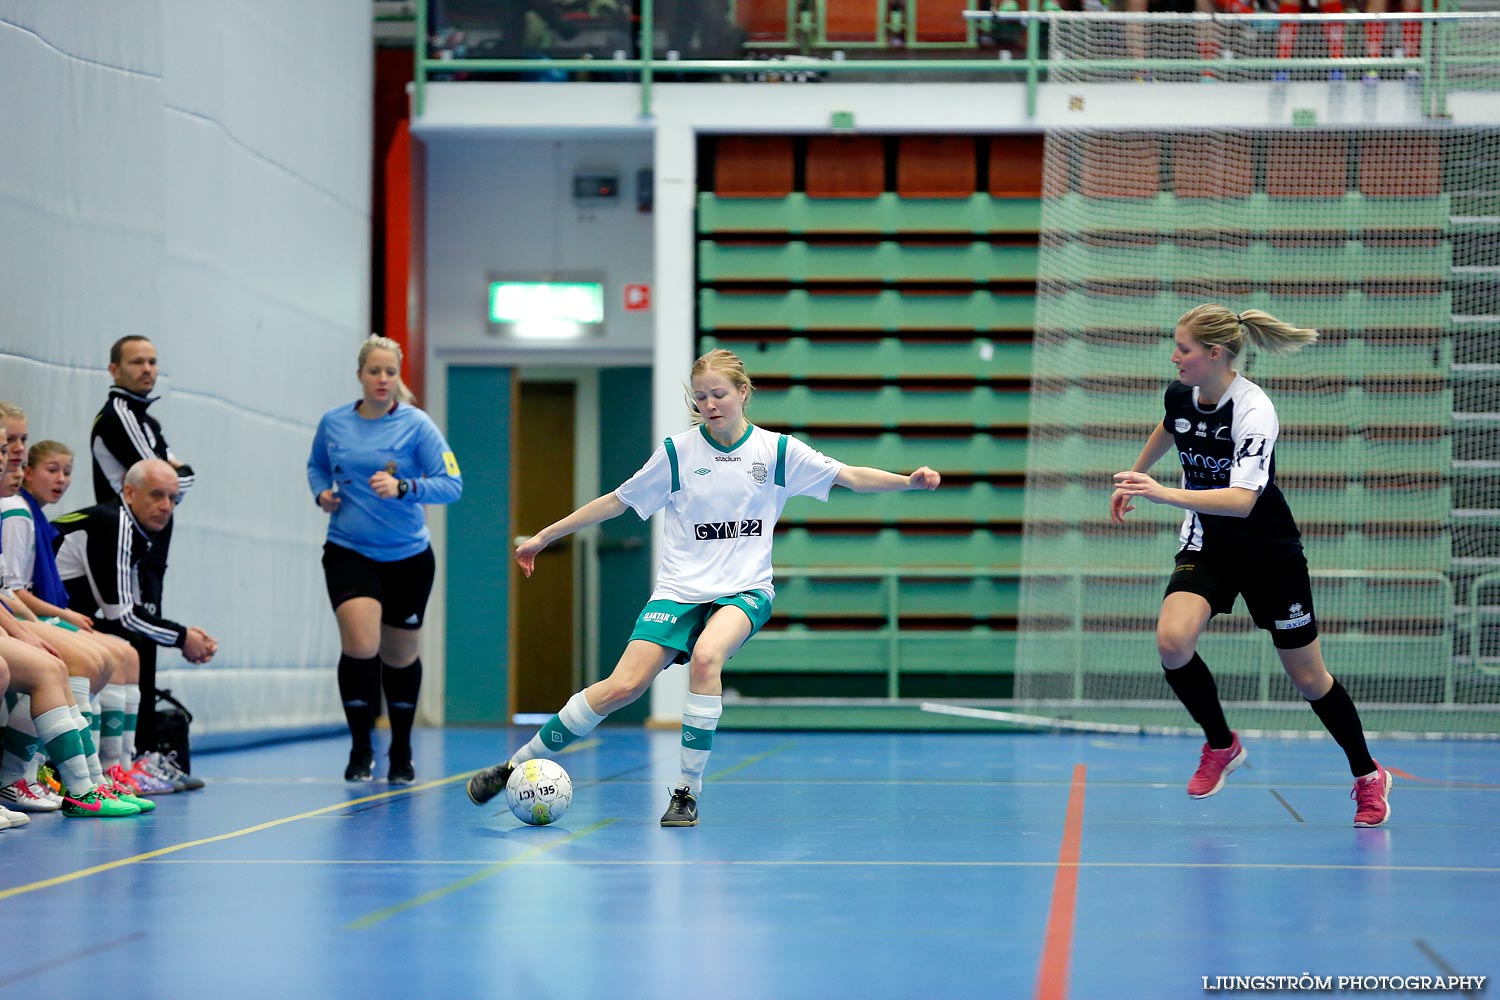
[{"x": 546, "y": 302}]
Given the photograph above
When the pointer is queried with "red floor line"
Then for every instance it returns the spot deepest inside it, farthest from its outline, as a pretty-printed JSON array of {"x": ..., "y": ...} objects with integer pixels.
[
  {"x": 1052, "y": 977},
  {"x": 1404, "y": 776}
]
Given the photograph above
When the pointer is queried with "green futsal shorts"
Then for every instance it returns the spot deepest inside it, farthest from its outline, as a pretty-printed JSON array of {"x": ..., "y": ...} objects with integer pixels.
[
  {"x": 54, "y": 620},
  {"x": 673, "y": 625}
]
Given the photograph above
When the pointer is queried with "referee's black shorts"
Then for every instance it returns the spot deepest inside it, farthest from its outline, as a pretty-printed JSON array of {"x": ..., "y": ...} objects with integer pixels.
[
  {"x": 401, "y": 587},
  {"x": 1277, "y": 591}
]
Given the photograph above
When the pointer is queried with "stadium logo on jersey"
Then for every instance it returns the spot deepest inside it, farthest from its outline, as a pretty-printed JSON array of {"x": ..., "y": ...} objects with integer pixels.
[
  {"x": 1182, "y": 426},
  {"x": 726, "y": 458},
  {"x": 758, "y": 472},
  {"x": 712, "y": 530},
  {"x": 1295, "y": 618}
]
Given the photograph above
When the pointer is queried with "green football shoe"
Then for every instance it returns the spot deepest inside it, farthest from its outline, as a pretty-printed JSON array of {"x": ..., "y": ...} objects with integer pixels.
[{"x": 98, "y": 803}]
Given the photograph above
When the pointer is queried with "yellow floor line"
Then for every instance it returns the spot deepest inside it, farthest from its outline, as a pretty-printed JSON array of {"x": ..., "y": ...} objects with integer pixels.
[
  {"x": 82, "y": 873},
  {"x": 716, "y": 775},
  {"x": 370, "y": 920}
]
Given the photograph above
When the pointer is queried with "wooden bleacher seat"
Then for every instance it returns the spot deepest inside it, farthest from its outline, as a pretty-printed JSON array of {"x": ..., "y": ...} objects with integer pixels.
[
  {"x": 845, "y": 166},
  {"x": 1400, "y": 165},
  {"x": 936, "y": 166},
  {"x": 1212, "y": 167},
  {"x": 940, "y": 22},
  {"x": 1307, "y": 166},
  {"x": 753, "y": 166},
  {"x": 762, "y": 21},
  {"x": 1016, "y": 163},
  {"x": 850, "y": 21},
  {"x": 1121, "y": 167}
]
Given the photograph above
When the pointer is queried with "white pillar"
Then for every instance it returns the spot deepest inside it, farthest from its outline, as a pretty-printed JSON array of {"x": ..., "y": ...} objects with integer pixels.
[{"x": 676, "y": 187}]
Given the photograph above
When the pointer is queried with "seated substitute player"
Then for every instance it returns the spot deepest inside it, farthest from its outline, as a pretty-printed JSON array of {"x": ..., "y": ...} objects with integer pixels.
[
  {"x": 98, "y": 551},
  {"x": 1238, "y": 537},
  {"x": 724, "y": 484},
  {"x": 30, "y": 570}
]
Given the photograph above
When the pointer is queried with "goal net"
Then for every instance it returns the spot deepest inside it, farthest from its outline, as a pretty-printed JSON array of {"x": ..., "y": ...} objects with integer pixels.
[{"x": 1388, "y": 241}]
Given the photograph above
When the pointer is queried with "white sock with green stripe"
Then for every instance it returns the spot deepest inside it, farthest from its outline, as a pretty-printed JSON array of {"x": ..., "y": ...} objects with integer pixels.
[
  {"x": 575, "y": 721},
  {"x": 92, "y": 713},
  {"x": 84, "y": 716},
  {"x": 20, "y": 742},
  {"x": 59, "y": 733},
  {"x": 111, "y": 725},
  {"x": 132, "y": 713},
  {"x": 700, "y": 717}
]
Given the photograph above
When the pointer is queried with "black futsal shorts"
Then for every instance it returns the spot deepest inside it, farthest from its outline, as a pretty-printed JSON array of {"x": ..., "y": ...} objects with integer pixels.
[
  {"x": 1277, "y": 591},
  {"x": 401, "y": 587}
]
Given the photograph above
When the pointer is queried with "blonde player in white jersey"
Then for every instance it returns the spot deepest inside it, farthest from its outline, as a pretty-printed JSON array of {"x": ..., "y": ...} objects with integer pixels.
[{"x": 723, "y": 484}]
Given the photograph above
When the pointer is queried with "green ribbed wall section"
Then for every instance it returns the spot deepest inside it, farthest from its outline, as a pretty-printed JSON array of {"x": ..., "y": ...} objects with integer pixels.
[{"x": 891, "y": 332}]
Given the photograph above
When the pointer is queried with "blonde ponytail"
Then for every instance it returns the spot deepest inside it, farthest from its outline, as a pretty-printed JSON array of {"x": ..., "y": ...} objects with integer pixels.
[{"x": 1216, "y": 326}]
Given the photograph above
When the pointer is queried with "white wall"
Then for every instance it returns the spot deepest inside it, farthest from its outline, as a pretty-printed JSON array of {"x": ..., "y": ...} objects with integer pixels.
[
  {"x": 198, "y": 172},
  {"x": 504, "y": 207}
]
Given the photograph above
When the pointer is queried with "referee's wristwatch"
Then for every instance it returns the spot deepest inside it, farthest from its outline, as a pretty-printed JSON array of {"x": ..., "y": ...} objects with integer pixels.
[{"x": 403, "y": 487}]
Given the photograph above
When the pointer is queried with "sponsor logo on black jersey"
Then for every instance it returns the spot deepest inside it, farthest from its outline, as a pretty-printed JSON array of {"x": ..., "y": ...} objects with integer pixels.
[
  {"x": 710, "y": 530},
  {"x": 1254, "y": 447},
  {"x": 1195, "y": 462}
]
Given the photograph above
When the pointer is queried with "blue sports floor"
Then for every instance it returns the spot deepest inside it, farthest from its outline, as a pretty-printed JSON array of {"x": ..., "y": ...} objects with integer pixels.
[{"x": 827, "y": 865}]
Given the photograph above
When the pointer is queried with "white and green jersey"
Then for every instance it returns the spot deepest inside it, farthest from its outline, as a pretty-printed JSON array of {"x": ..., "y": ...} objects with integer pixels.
[
  {"x": 17, "y": 543},
  {"x": 722, "y": 505}
]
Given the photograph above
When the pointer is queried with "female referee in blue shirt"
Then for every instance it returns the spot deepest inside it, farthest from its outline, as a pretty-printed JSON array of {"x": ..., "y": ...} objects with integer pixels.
[{"x": 373, "y": 464}]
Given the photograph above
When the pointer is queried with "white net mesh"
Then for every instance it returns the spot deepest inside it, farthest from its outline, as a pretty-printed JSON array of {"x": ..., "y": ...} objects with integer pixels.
[
  {"x": 1244, "y": 41},
  {"x": 1387, "y": 241}
]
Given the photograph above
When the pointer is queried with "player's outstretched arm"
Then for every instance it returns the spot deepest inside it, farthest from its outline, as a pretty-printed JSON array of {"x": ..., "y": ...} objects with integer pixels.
[
  {"x": 862, "y": 479},
  {"x": 591, "y": 513},
  {"x": 1156, "y": 446}
]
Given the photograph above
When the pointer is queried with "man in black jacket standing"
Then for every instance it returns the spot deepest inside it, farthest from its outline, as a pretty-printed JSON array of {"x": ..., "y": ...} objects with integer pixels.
[{"x": 124, "y": 434}]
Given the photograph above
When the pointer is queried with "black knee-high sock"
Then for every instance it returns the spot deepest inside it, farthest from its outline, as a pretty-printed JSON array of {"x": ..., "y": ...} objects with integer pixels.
[
  {"x": 402, "y": 685},
  {"x": 1339, "y": 716},
  {"x": 359, "y": 688},
  {"x": 1195, "y": 688}
]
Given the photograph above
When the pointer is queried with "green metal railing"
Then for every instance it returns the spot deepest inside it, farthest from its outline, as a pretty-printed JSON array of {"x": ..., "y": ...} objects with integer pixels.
[
  {"x": 889, "y": 630},
  {"x": 1438, "y": 54}
]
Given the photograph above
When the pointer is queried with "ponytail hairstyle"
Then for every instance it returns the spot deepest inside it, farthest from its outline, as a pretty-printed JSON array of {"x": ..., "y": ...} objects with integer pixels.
[
  {"x": 1216, "y": 326},
  {"x": 375, "y": 342},
  {"x": 726, "y": 363}
]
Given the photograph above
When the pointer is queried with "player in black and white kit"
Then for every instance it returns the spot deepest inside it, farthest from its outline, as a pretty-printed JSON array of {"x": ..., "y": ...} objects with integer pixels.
[
  {"x": 723, "y": 485},
  {"x": 1238, "y": 538}
]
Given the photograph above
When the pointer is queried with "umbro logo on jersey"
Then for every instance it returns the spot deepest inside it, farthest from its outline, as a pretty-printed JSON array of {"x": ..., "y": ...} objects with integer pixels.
[
  {"x": 700, "y": 472},
  {"x": 727, "y": 529}
]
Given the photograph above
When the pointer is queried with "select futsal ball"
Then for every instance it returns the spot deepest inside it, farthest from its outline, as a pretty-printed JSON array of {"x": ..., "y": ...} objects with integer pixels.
[{"x": 539, "y": 792}]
